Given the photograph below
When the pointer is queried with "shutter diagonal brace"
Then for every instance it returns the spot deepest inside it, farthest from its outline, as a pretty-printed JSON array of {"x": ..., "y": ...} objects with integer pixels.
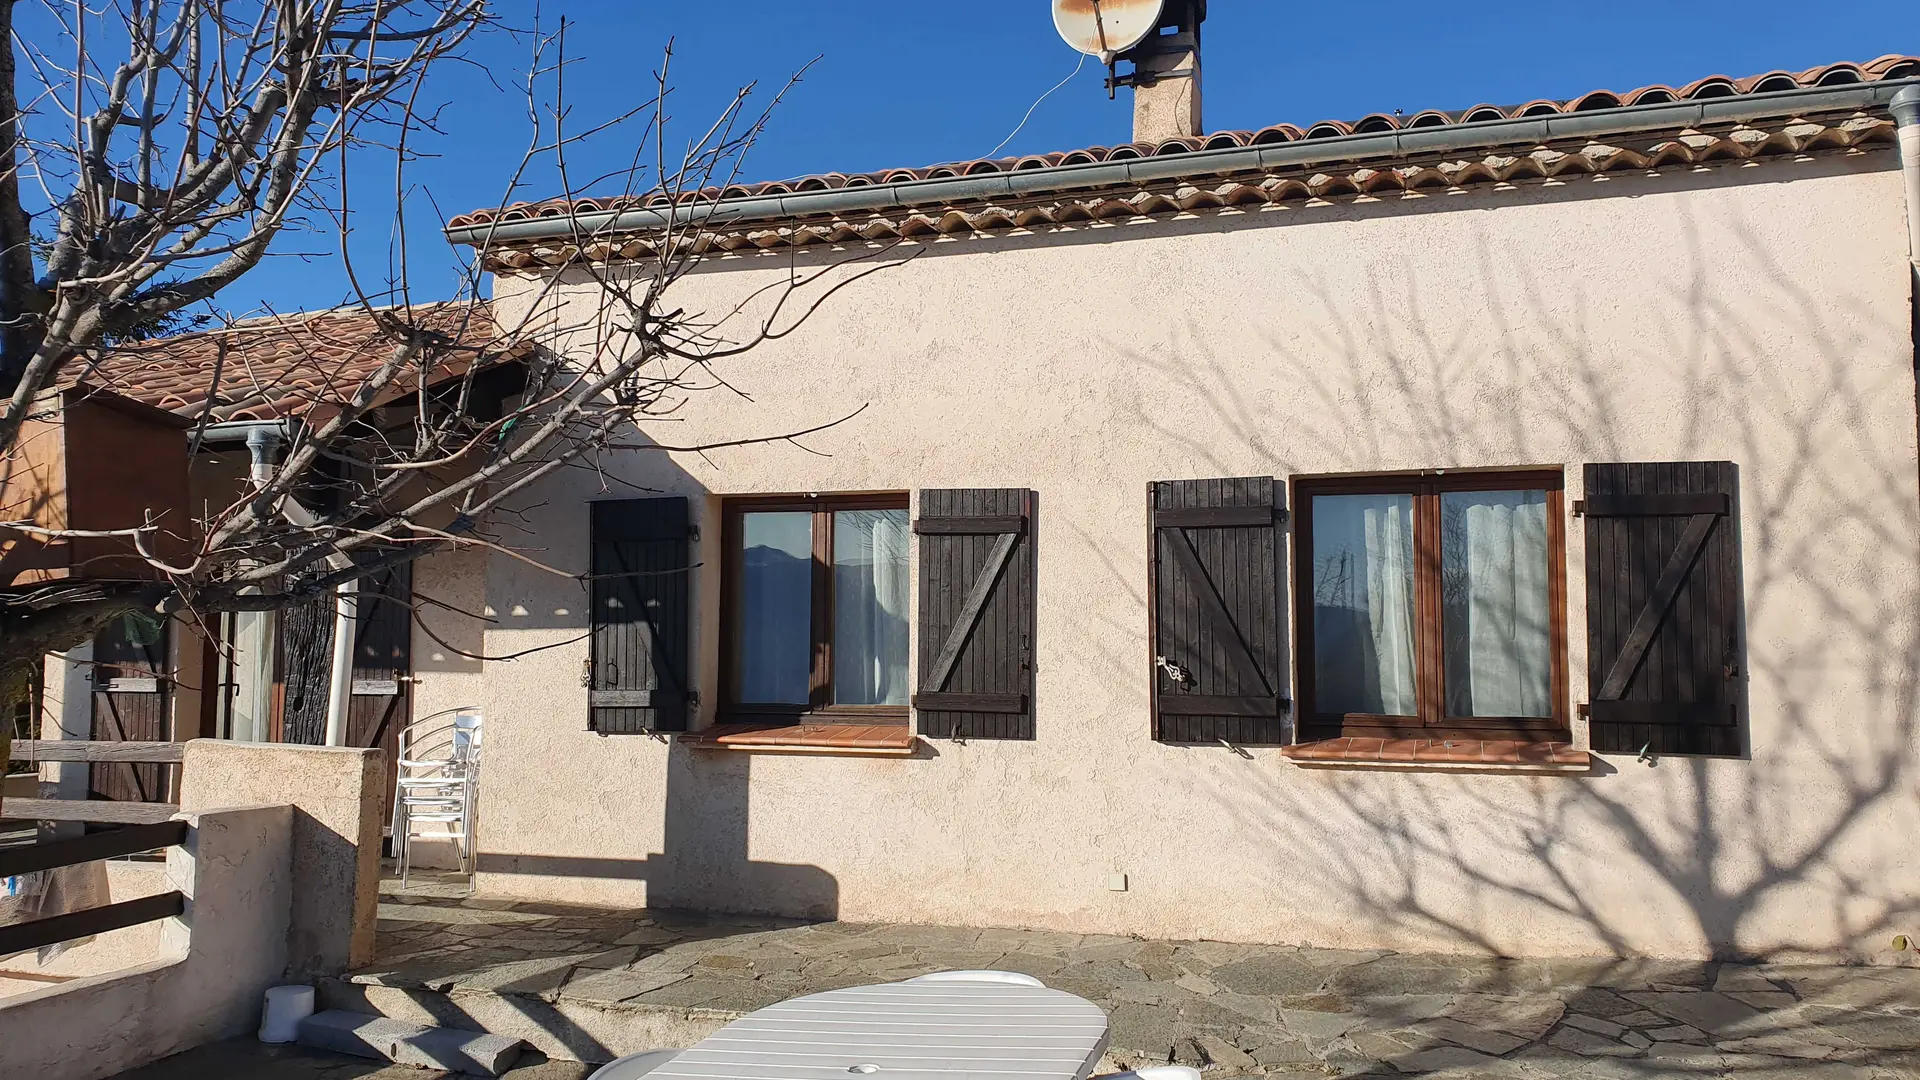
[
  {"x": 1214, "y": 609},
  {"x": 970, "y": 612},
  {"x": 1659, "y": 601}
]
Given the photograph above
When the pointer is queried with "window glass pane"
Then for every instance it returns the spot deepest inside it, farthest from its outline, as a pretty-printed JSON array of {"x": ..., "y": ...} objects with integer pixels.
[
  {"x": 1493, "y": 587},
  {"x": 773, "y": 631},
  {"x": 870, "y": 607},
  {"x": 1363, "y": 604},
  {"x": 250, "y": 704}
]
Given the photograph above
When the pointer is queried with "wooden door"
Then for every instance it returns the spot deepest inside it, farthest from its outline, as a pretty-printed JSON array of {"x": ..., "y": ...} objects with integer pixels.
[
  {"x": 132, "y": 688},
  {"x": 304, "y": 669},
  {"x": 382, "y": 701}
]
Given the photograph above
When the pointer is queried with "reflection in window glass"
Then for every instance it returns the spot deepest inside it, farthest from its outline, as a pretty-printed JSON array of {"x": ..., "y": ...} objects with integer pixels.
[
  {"x": 1494, "y": 600},
  {"x": 251, "y": 703},
  {"x": 870, "y": 607},
  {"x": 773, "y": 639},
  {"x": 1363, "y": 604}
]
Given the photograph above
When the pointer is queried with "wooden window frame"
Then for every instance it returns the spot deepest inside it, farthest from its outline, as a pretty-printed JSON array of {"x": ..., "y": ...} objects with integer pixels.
[
  {"x": 1426, "y": 487},
  {"x": 820, "y": 707}
]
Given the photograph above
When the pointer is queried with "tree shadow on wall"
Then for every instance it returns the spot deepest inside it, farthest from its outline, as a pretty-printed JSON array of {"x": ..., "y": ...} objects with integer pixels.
[{"x": 1749, "y": 365}]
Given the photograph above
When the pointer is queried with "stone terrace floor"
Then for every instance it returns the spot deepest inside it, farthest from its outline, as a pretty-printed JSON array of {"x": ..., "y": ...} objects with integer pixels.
[{"x": 1281, "y": 1011}]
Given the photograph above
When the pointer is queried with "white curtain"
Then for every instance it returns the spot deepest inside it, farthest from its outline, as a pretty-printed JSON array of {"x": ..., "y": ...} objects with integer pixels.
[
  {"x": 250, "y": 704},
  {"x": 1363, "y": 604},
  {"x": 1495, "y": 579},
  {"x": 870, "y": 589}
]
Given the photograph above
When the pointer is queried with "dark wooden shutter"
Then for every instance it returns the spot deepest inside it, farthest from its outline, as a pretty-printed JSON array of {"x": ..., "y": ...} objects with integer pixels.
[
  {"x": 1215, "y": 606},
  {"x": 380, "y": 693},
  {"x": 638, "y": 677},
  {"x": 976, "y": 613},
  {"x": 1663, "y": 607},
  {"x": 132, "y": 692}
]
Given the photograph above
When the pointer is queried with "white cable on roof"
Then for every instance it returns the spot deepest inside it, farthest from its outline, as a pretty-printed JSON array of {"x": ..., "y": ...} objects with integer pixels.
[{"x": 1036, "y": 104}]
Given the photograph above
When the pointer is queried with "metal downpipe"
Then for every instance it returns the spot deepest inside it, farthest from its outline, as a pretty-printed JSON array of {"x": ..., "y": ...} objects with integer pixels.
[{"x": 1905, "y": 108}]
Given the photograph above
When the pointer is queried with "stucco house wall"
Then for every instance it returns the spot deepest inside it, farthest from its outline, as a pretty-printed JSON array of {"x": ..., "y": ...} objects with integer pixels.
[{"x": 1758, "y": 314}]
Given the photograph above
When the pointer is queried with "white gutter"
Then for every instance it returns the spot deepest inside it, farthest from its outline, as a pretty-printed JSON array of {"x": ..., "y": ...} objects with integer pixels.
[
  {"x": 238, "y": 430},
  {"x": 1406, "y": 143}
]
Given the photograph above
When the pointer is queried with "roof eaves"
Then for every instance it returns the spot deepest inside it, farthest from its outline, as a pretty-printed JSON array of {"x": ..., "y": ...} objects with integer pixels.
[{"x": 1077, "y": 172}]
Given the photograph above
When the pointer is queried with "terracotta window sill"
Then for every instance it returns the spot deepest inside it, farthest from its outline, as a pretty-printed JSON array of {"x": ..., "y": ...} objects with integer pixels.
[
  {"x": 894, "y": 739},
  {"x": 1502, "y": 755}
]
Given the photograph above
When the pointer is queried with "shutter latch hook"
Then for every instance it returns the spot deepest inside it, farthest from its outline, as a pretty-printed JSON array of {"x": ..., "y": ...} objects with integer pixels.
[{"x": 1646, "y": 755}]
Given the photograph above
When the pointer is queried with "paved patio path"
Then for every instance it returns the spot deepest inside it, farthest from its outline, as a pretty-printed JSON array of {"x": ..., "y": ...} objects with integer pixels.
[{"x": 1281, "y": 1011}]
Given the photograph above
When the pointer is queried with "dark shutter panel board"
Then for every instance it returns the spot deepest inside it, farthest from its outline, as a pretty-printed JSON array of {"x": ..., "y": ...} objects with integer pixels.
[
  {"x": 976, "y": 613},
  {"x": 638, "y": 672},
  {"x": 1215, "y": 585},
  {"x": 1663, "y": 607}
]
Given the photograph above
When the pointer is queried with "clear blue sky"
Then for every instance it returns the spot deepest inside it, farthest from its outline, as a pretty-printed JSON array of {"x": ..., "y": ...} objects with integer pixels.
[{"x": 910, "y": 82}]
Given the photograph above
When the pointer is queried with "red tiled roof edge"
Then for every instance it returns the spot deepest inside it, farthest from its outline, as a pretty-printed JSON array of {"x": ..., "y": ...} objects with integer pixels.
[
  {"x": 291, "y": 365},
  {"x": 1891, "y": 66}
]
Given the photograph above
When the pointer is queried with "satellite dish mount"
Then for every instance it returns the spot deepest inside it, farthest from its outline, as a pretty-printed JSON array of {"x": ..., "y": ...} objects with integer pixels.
[
  {"x": 1171, "y": 51},
  {"x": 1159, "y": 40}
]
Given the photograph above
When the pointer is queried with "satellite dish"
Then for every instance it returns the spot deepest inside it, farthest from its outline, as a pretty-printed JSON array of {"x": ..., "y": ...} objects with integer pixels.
[{"x": 1103, "y": 28}]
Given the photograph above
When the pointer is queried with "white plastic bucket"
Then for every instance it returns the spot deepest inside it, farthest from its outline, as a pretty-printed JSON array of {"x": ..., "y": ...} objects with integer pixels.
[{"x": 286, "y": 1007}]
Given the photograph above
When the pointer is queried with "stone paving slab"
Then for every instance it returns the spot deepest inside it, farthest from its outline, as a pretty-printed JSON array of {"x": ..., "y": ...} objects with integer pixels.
[{"x": 1277, "y": 1011}]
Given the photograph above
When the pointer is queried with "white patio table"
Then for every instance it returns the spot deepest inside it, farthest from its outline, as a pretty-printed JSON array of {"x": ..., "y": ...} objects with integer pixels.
[{"x": 908, "y": 1031}]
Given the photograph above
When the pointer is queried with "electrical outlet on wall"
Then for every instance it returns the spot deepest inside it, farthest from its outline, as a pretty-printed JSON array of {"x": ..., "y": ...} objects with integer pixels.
[{"x": 1116, "y": 882}]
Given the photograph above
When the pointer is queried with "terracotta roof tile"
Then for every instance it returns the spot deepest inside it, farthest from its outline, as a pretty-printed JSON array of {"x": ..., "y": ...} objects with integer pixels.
[
  {"x": 1892, "y": 66},
  {"x": 286, "y": 366}
]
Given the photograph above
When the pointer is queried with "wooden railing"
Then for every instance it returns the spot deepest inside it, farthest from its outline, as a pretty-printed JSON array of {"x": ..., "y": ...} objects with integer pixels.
[
  {"x": 140, "y": 827},
  {"x": 92, "y": 810},
  {"x": 142, "y": 753},
  {"x": 125, "y": 840}
]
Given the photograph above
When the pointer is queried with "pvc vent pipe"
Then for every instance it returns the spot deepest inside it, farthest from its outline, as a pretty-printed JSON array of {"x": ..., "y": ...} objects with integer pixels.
[{"x": 346, "y": 615}]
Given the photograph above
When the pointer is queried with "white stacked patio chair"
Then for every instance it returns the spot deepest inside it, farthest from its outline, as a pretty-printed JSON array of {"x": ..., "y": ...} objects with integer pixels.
[{"x": 437, "y": 783}]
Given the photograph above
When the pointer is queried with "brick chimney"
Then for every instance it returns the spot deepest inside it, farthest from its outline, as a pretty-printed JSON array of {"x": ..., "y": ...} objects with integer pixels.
[{"x": 1166, "y": 75}]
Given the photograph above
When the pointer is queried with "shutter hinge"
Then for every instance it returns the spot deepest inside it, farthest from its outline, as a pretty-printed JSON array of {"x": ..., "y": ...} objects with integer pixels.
[
  {"x": 1585, "y": 710},
  {"x": 1579, "y": 508},
  {"x": 586, "y": 672},
  {"x": 1282, "y": 515},
  {"x": 693, "y": 532}
]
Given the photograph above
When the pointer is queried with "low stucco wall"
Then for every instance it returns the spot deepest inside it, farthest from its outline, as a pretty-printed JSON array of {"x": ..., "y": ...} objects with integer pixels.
[
  {"x": 218, "y": 958},
  {"x": 1758, "y": 314},
  {"x": 335, "y": 793},
  {"x": 129, "y": 946}
]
